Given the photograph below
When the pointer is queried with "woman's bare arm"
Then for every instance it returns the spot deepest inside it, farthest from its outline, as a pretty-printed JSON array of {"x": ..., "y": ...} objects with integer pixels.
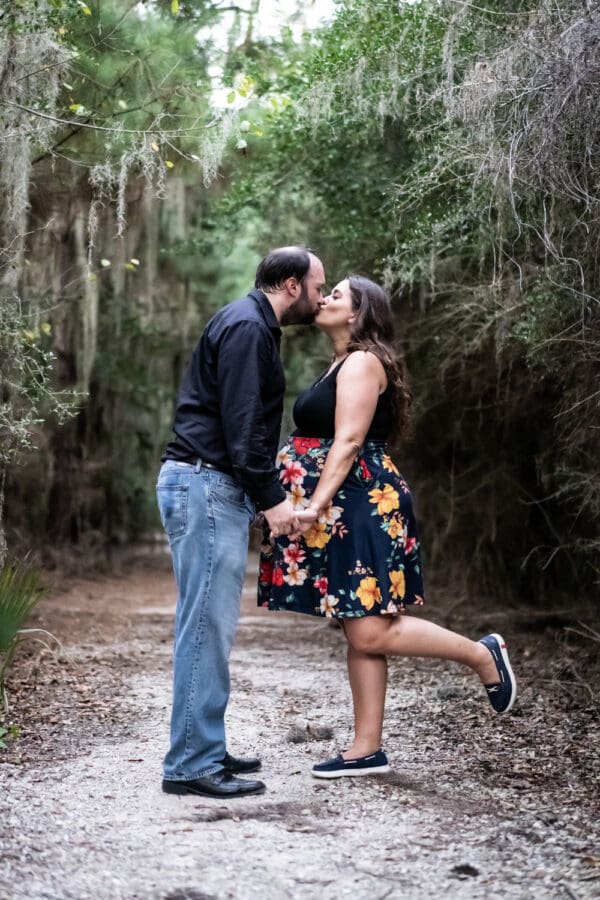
[{"x": 360, "y": 381}]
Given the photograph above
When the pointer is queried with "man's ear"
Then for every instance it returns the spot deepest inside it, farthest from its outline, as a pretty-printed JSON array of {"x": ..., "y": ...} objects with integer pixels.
[{"x": 293, "y": 287}]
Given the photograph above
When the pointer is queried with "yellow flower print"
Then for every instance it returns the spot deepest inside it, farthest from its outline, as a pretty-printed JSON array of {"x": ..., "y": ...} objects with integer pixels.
[
  {"x": 397, "y": 584},
  {"x": 368, "y": 593},
  {"x": 296, "y": 496},
  {"x": 328, "y": 604},
  {"x": 331, "y": 514},
  {"x": 386, "y": 499},
  {"x": 318, "y": 535},
  {"x": 388, "y": 465},
  {"x": 283, "y": 456},
  {"x": 395, "y": 528},
  {"x": 295, "y": 575}
]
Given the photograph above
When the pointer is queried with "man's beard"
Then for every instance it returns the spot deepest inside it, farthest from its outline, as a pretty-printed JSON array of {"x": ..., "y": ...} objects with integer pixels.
[{"x": 300, "y": 312}]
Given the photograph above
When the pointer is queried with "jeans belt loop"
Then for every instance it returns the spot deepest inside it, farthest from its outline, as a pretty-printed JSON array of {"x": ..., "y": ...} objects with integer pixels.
[{"x": 198, "y": 466}]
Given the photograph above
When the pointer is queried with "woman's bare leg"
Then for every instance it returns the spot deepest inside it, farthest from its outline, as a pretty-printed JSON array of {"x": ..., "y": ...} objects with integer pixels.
[
  {"x": 367, "y": 673},
  {"x": 409, "y": 636}
]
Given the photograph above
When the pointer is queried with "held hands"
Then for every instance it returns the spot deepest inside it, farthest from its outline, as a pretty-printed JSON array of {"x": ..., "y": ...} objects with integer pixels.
[
  {"x": 284, "y": 519},
  {"x": 306, "y": 519}
]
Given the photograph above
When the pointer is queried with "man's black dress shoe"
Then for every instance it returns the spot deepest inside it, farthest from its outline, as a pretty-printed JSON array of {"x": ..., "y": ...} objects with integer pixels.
[
  {"x": 237, "y": 764},
  {"x": 220, "y": 784}
]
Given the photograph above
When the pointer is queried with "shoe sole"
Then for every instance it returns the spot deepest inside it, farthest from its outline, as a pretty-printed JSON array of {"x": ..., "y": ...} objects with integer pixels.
[
  {"x": 513, "y": 680},
  {"x": 181, "y": 788},
  {"x": 351, "y": 773}
]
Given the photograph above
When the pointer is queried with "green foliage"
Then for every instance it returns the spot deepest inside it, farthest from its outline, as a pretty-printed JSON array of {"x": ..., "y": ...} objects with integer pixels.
[
  {"x": 27, "y": 393},
  {"x": 10, "y": 732},
  {"x": 20, "y": 592},
  {"x": 448, "y": 149},
  {"x": 418, "y": 147}
]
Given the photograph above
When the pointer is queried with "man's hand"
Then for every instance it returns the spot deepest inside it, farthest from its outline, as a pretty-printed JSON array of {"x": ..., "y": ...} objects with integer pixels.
[
  {"x": 302, "y": 520},
  {"x": 282, "y": 519}
]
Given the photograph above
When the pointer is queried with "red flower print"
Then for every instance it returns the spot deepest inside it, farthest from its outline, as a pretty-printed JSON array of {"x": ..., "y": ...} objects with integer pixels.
[
  {"x": 293, "y": 554},
  {"x": 321, "y": 584},
  {"x": 266, "y": 571},
  {"x": 302, "y": 445},
  {"x": 292, "y": 472},
  {"x": 410, "y": 544},
  {"x": 277, "y": 577},
  {"x": 364, "y": 469}
]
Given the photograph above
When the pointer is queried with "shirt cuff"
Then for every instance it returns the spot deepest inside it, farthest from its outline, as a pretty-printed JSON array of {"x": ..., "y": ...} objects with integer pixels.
[{"x": 269, "y": 496}]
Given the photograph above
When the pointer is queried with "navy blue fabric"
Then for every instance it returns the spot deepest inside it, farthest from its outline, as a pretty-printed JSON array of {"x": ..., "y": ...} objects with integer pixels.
[
  {"x": 314, "y": 410},
  {"x": 361, "y": 557}
]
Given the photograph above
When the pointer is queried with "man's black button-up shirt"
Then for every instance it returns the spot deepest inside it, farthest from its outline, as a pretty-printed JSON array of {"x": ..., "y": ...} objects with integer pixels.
[{"x": 230, "y": 403}]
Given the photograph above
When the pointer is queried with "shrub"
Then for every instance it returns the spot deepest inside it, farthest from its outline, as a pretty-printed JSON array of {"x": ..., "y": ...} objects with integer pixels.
[{"x": 20, "y": 592}]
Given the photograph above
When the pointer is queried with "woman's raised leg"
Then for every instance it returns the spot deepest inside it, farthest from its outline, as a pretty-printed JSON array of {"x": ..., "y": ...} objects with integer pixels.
[{"x": 409, "y": 636}]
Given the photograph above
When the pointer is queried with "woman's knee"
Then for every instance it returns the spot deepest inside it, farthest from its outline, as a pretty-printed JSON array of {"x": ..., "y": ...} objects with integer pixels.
[{"x": 367, "y": 635}]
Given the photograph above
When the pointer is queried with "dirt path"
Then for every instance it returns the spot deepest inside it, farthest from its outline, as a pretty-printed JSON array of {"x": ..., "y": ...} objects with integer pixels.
[{"x": 477, "y": 806}]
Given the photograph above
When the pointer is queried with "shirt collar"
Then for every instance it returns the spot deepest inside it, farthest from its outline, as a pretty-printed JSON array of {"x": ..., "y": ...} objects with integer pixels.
[{"x": 266, "y": 309}]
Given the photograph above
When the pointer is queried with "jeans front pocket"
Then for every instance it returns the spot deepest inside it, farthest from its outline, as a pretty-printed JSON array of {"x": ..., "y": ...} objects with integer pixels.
[
  {"x": 226, "y": 489},
  {"x": 173, "y": 507}
]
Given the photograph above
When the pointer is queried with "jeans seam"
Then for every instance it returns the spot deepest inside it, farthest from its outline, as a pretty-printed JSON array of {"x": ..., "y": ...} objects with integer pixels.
[
  {"x": 200, "y": 626},
  {"x": 211, "y": 770}
]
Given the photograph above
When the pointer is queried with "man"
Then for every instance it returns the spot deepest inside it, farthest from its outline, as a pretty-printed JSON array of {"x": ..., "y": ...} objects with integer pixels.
[{"x": 220, "y": 465}]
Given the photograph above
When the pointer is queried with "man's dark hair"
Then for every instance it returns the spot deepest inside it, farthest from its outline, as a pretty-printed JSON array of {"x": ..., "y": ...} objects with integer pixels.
[{"x": 280, "y": 264}]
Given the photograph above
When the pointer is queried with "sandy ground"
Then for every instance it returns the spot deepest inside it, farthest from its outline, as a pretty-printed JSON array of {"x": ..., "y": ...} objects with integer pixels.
[{"x": 477, "y": 806}]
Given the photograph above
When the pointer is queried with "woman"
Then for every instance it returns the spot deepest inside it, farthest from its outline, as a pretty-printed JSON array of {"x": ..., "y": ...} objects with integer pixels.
[{"x": 359, "y": 560}]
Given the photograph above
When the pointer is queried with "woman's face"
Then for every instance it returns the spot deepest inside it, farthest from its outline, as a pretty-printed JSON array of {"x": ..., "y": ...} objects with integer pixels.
[{"x": 335, "y": 310}]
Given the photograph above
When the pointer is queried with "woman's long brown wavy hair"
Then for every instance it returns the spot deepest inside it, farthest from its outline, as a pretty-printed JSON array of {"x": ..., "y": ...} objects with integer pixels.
[{"x": 373, "y": 330}]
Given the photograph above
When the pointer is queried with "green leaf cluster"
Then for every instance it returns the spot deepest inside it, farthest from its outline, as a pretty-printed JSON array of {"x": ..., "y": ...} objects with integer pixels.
[{"x": 20, "y": 592}]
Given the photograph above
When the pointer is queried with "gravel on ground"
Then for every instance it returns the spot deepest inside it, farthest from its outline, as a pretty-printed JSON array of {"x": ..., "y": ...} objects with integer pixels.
[{"x": 477, "y": 806}]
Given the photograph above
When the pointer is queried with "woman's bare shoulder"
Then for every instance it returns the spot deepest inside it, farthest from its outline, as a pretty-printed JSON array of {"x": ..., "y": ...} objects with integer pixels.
[{"x": 362, "y": 363}]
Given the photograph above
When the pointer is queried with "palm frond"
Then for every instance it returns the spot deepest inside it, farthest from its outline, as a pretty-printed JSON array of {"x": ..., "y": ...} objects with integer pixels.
[{"x": 20, "y": 592}]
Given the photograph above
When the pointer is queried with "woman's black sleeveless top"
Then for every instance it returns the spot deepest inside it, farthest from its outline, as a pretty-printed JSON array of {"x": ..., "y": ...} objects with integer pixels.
[{"x": 314, "y": 410}]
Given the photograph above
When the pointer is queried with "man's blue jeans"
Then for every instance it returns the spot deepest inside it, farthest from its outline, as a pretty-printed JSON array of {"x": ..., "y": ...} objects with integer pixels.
[{"x": 206, "y": 516}]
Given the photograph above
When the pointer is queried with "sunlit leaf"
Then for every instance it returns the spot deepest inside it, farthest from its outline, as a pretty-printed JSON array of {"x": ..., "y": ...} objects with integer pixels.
[
  {"x": 245, "y": 125},
  {"x": 241, "y": 144},
  {"x": 105, "y": 263},
  {"x": 84, "y": 8},
  {"x": 169, "y": 164},
  {"x": 154, "y": 146},
  {"x": 231, "y": 97},
  {"x": 129, "y": 266},
  {"x": 174, "y": 7},
  {"x": 135, "y": 261}
]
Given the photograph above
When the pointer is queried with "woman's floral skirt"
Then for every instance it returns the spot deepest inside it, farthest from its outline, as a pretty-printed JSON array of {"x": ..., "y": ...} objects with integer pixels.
[{"x": 361, "y": 558}]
